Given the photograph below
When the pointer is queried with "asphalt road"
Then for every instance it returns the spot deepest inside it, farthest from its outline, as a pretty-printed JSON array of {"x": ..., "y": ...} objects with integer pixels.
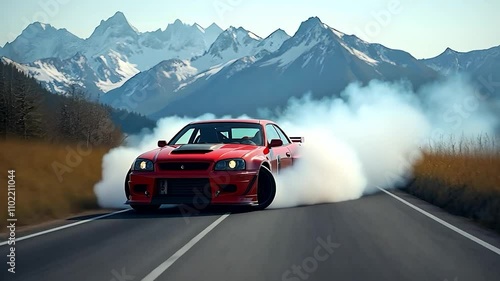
[{"x": 373, "y": 238}]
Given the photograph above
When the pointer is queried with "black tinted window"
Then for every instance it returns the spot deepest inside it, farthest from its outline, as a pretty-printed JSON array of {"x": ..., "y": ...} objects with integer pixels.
[{"x": 242, "y": 133}]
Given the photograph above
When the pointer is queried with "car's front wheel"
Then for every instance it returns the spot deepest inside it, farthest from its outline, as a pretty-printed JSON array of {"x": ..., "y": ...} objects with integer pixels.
[
  {"x": 127, "y": 191},
  {"x": 266, "y": 188}
]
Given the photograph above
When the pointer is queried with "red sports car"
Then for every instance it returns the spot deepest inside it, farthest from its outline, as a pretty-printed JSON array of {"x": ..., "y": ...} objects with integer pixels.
[{"x": 226, "y": 162}]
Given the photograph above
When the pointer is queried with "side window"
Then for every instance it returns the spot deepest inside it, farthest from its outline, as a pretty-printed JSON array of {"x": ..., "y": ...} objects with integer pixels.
[
  {"x": 238, "y": 133},
  {"x": 271, "y": 133},
  {"x": 282, "y": 135}
]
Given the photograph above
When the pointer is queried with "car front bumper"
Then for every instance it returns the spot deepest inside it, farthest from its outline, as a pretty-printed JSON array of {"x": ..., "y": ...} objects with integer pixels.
[{"x": 197, "y": 188}]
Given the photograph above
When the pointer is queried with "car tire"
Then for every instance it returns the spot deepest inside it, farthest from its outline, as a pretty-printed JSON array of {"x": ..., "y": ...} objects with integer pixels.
[
  {"x": 145, "y": 208},
  {"x": 127, "y": 191},
  {"x": 266, "y": 188}
]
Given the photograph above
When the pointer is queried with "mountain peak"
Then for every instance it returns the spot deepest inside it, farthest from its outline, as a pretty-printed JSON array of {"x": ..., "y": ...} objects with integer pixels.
[
  {"x": 279, "y": 32},
  {"x": 117, "y": 18},
  {"x": 114, "y": 26},
  {"x": 230, "y": 29},
  {"x": 240, "y": 32},
  {"x": 312, "y": 23},
  {"x": 119, "y": 15},
  {"x": 449, "y": 51},
  {"x": 214, "y": 26},
  {"x": 38, "y": 27},
  {"x": 40, "y": 30},
  {"x": 178, "y": 24}
]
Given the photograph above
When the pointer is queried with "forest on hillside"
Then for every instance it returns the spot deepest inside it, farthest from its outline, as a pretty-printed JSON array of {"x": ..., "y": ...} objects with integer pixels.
[{"x": 27, "y": 111}]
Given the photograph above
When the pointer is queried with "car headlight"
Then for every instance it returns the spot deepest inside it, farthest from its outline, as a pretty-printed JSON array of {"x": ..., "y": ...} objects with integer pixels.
[
  {"x": 230, "y": 165},
  {"x": 143, "y": 165}
]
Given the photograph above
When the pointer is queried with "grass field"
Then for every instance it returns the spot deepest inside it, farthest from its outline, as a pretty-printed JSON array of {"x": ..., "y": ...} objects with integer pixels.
[
  {"x": 40, "y": 194},
  {"x": 462, "y": 177}
]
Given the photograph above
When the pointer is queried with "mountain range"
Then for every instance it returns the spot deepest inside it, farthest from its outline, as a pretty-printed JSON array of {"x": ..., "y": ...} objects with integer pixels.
[
  {"x": 114, "y": 52},
  {"x": 189, "y": 70}
]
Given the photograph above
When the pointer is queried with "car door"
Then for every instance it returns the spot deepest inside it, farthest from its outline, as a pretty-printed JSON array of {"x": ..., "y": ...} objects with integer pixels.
[
  {"x": 280, "y": 156},
  {"x": 291, "y": 146}
]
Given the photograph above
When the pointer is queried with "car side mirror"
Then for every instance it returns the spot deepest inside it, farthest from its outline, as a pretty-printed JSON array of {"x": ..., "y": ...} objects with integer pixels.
[
  {"x": 275, "y": 143},
  {"x": 162, "y": 143}
]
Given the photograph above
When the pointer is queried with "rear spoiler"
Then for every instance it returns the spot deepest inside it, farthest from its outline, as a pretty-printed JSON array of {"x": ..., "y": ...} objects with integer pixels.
[{"x": 297, "y": 139}]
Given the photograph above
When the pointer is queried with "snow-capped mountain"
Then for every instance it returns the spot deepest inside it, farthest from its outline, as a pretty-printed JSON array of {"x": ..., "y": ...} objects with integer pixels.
[
  {"x": 483, "y": 67},
  {"x": 235, "y": 49},
  {"x": 165, "y": 78},
  {"x": 451, "y": 61},
  {"x": 145, "y": 50},
  {"x": 189, "y": 70},
  {"x": 231, "y": 44},
  {"x": 59, "y": 76},
  {"x": 40, "y": 41},
  {"x": 317, "y": 59},
  {"x": 116, "y": 51},
  {"x": 274, "y": 41},
  {"x": 117, "y": 46},
  {"x": 211, "y": 34}
]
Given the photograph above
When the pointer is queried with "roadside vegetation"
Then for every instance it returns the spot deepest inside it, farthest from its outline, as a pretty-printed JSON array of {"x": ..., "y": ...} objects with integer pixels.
[
  {"x": 42, "y": 193},
  {"x": 462, "y": 176},
  {"x": 55, "y": 143}
]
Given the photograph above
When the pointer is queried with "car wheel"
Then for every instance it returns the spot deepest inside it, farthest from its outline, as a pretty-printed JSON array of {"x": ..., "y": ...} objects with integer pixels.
[
  {"x": 145, "y": 208},
  {"x": 127, "y": 191},
  {"x": 266, "y": 188}
]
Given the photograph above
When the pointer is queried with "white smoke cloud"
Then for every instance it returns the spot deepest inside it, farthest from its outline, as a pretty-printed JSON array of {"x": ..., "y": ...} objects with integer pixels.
[
  {"x": 110, "y": 190},
  {"x": 367, "y": 139},
  {"x": 456, "y": 107},
  {"x": 370, "y": 138}
]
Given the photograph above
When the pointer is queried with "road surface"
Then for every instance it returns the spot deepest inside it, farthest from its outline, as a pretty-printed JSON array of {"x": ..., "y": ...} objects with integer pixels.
[{"x": 374, "y": 238}]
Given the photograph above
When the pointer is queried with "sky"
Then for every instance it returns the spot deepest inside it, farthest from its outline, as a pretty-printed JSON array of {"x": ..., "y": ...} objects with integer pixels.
[{"x": 425, "y": 28}]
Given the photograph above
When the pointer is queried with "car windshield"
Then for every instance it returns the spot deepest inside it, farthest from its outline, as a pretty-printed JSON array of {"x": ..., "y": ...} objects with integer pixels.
[{"x": 230, "y": 132}]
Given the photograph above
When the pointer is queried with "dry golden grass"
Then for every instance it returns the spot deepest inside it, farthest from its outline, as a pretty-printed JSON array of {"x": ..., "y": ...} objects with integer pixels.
[
  {"x": 40, "y": 195},
  {"x": 462, "y": 177},
  {"x": 480, "y": 172}
]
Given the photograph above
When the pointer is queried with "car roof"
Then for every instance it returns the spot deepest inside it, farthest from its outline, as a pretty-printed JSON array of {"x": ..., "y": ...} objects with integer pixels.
[{"x": 251, "y": 121}]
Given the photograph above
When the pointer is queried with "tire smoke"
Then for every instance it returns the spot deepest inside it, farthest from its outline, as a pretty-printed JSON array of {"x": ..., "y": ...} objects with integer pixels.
[{"x": 368, "y": 137}]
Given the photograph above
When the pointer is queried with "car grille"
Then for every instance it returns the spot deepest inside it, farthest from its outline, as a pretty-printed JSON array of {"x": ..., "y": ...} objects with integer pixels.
[
  {"x": 185, "y": 188},
  {"x": 183, "y": 166}
]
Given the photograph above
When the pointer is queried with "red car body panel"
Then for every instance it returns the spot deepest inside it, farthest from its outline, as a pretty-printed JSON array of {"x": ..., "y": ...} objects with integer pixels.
[{"x": 192, "y": 179}]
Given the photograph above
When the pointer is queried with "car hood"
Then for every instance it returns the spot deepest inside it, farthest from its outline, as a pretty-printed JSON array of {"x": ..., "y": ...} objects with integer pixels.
[{"x": 204, "y": 152}]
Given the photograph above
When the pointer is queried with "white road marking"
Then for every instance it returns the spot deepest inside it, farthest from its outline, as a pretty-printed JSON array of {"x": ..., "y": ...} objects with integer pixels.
[
  {"x": 450, "y": 226},
  {"x": 66, "y": 226},
  {"x": 170, "y": 261}
]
